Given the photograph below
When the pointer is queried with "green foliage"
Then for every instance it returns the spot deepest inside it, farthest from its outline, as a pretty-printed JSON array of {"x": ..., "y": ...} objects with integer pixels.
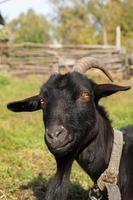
[
  {"x": 110, "y": 14},
  {"x": 104, "y": 15},
  {"x": 4, "y": 34},
  {"x": 30, "y": 28},
  {"x": 74, "y": 26},
  {"x": 2, "y": 21},
  {"x": 126, "y": 23},
  {"x": 76, "y": 22},
  {"x": 94, "y": 21}
]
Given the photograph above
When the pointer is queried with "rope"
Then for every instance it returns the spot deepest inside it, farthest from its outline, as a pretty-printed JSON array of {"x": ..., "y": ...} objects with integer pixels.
[{"x": 108, "y": 179}]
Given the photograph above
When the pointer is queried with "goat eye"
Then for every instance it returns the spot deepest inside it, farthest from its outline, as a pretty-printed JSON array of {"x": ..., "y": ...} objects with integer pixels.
[
  {"x": 85, "y": 96},
  {"x": 42, "y": 102}
]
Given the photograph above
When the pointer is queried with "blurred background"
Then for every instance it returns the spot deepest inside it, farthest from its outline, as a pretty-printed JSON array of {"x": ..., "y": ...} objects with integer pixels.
[
  {"x": 34, "y": 34},
  {"x": 68, "y": 21}
]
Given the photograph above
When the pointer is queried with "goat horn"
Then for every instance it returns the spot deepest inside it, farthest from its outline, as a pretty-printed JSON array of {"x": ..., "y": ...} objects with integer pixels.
[{"x": 86, "y": 63}]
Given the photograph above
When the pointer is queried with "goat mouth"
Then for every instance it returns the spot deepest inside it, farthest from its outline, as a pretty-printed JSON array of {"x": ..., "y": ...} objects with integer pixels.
[
  {"x": 66, "y": 145},
  {"x": 56, "y": 147}
]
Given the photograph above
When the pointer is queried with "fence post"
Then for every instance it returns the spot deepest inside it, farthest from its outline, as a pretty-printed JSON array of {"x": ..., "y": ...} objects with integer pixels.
[
  {"x": 105, "y": 40},
  {"x": 118, "y": 37}
]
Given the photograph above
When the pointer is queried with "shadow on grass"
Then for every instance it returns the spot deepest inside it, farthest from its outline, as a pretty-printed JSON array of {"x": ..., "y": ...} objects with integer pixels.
[{"x": 38, "y": 186}]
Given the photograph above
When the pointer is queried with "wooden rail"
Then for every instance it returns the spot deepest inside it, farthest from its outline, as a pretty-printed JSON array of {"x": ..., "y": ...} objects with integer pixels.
[{"x": 31, "y": 58}]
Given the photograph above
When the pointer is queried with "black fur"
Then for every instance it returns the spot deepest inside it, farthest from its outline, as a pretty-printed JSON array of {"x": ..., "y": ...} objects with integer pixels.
[{"x": 78, "y": 128}]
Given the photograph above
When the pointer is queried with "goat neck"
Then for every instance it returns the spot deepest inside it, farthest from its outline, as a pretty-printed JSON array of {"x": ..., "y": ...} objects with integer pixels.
[{"x": 94, "y": 159}]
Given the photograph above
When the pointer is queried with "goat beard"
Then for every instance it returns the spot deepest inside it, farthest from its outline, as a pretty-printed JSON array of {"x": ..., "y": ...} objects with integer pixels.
[{"x": 58, "y": 186}]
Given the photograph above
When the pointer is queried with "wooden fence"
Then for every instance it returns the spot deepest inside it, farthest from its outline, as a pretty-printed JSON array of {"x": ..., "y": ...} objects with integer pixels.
[{"x": 29, "y": 58}]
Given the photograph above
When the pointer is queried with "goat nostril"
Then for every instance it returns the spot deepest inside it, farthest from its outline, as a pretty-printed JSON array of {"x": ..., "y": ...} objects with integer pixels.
[
  {"x": 54, "y": 134},
  {"x": 57, "y": 133},
  {"x": 49, "y": 134}
]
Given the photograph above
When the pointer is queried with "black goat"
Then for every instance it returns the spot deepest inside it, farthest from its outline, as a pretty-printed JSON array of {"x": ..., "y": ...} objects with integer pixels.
[{"x": 78, "y": 128}]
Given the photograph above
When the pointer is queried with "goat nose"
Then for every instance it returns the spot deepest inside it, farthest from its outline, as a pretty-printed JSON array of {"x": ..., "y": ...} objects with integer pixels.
[{"x": 55, "y": 132}]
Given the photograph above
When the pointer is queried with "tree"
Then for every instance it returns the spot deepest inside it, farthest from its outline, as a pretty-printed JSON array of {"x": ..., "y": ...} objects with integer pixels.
[
  {"x": 86, "y": 21},
  {"x": 30, "y": 27},
  {"x": 73, "y": 23},
  {"x": 2, "y": 21},
  {"x": 126, "y": 24},
  {"x": 74, "y": 26},
  {"x": 108, "y": 15}
]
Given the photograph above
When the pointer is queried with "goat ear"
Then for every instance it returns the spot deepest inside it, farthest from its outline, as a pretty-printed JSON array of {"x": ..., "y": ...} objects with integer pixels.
[
  {"x": 103, "y": 90},
  {"x": 27, "y": 105}
]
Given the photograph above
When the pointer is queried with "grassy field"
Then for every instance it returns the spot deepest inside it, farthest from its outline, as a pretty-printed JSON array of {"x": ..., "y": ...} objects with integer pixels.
[{"x": 25, "y": 162}]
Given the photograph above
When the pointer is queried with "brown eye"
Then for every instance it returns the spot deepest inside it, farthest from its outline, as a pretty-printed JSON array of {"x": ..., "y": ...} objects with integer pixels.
[
  {"x": 42, "y": 102},
  {"x": 85, "y": 96}
]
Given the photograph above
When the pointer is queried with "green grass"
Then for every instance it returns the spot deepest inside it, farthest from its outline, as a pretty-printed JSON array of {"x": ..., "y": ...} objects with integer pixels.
[{"x": 26, "y": 165}]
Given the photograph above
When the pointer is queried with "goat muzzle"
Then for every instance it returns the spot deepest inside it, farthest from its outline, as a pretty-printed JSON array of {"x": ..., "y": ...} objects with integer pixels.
[{"x": 57, "y": 138}]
